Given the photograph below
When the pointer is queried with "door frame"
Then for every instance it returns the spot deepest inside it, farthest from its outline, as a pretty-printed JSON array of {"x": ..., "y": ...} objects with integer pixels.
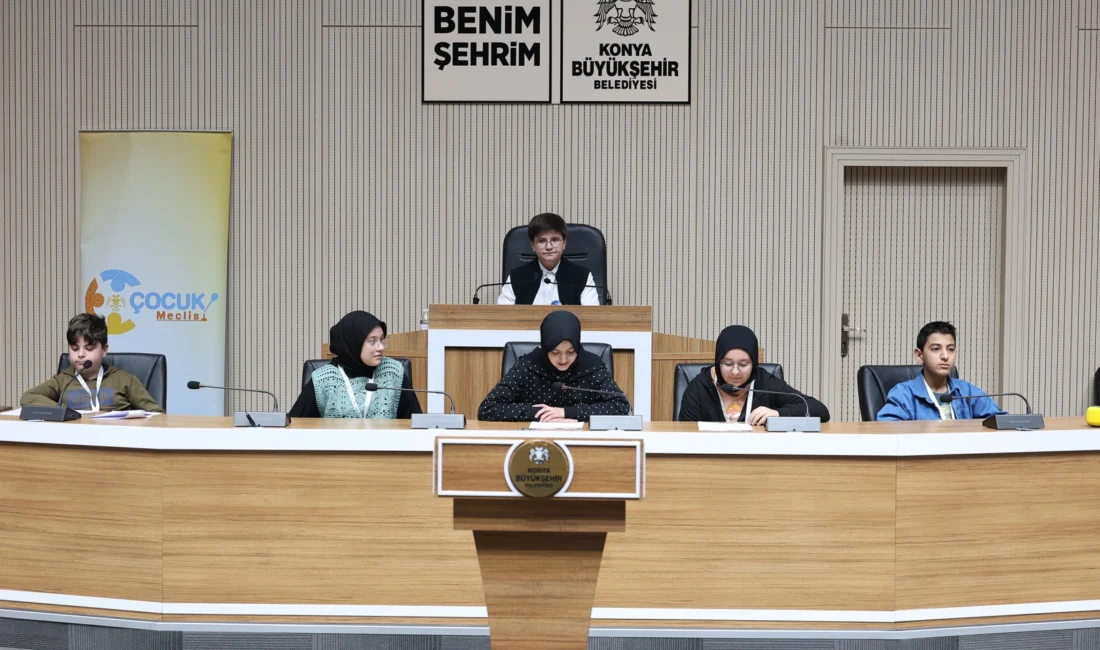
[{"x": 1014, "y": 275}]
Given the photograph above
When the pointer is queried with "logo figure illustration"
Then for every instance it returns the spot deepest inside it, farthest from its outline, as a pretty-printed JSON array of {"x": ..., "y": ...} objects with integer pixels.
[
  {"x": 625, "y": 15},
  {"x": 539, "y": 455}
]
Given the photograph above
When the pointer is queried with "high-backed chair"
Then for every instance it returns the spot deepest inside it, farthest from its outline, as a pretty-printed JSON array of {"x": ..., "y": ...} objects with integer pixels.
[
  {"x": 309, "y": 366},
  {"x": 874, "y": 384},
  {"x": 516, "y": 349},
  {"x": 585, "y": 246},
  {"x": 685, "y": 372},
  {"x": 1096, "y": 388},
  {"x": 150, "y": 369}
]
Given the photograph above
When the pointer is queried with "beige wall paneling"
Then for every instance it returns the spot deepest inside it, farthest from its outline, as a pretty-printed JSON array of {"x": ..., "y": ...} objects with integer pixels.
[
  {"x": 921, "y": 244},
  {"x": 260, "y": 62},
  {"x": 1084, "y": 357},
  {"x": 384, "y": 182},
  {"x": 373, "y": 13},
  {"x": 891, "y": 14},
  {"x": 131, "y": 13},
  {"x": 37, "y": 197},
  {"x": 1050, "y": 250},
  {"x": 757, "y": 113},
  {"x": 1090, "y": 14},
  {"x": 887, "y": 87},
  {"x": 136, "y": 78}
]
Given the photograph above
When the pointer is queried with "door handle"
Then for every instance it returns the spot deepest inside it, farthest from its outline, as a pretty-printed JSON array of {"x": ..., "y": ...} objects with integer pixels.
[{"x": 845, "y": 331}]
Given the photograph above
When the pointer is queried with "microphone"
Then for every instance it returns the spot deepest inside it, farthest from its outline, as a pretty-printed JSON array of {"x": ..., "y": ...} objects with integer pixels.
[
  {"x": 557, "y": 385},
  {"x": 57, "y": 412},
  {"x": 274, "y": 418},
  {"x": 807, "y": 424},
  {"x": 730, "y": 388},
  {"x": 948, "y": 398},
  {"x": 1026, "y": 422},
  {"x": 477, "y": 301},
  {"x": 584, "y": 286},
  {"x": 450, "y": 420},
  {"x": 372, "y": 387},
  {"x": 76, "y": 372},
  {"x": 628, "y": 422}
]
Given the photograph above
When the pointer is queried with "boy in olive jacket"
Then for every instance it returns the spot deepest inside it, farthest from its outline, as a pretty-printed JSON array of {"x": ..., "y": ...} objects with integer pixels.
[{"x": 89, "y": 384}]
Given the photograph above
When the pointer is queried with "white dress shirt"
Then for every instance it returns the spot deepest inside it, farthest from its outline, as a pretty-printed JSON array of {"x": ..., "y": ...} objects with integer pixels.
[{"x": 548, "y": 293}]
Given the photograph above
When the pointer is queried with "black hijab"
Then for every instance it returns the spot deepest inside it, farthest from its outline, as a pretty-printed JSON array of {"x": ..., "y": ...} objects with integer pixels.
[
  {"x": 345, "y": 340},
  {"x": 736, "y": 337},
  {"x": 560, "y": 326}
]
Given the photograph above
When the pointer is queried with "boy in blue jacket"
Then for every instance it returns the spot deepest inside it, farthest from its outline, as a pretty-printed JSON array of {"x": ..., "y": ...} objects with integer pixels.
[{"x": 920, "y": 397}]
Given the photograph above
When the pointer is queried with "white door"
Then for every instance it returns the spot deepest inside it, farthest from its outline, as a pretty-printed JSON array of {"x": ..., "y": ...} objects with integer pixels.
[{"x": 920, "y": 244}]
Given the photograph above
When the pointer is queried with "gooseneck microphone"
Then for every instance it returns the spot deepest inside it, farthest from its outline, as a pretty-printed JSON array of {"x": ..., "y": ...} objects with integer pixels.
[
  {"x": 194, "y": 385},
  {"x": 1026, "y": 422},
  {"x": 372, "y": 387},
  {"x": 629, "y": 422},
  {"x": 56, "y": 412},
  {"x": 76, "y": 373},
  {"x": 731, "y": 389},
  {"x": 557, "y": 385},
  {"x": 582, "y": 286},
  {"x": 477, "y": 301},
  {"x": 274, "y": 418},
  {"x": 947, "y": 399},
  {"x": 779, "y": 423},
  {"x": 450, "y": 420}
]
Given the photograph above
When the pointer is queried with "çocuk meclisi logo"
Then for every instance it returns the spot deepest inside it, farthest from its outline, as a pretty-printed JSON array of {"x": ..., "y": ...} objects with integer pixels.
[{"x": 115, "y": 295}]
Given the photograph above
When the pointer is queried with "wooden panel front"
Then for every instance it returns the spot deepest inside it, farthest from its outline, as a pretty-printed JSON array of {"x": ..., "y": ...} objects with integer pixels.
[
  {"x": 756, "y": 533},
  {"x": 987, "y": 530},
  {"x": 80, "y": 521},
  {"x": 471, "y": 374},
  {"x": 529, "y": 317},
  {"x": 480, "y": 467},
  {"x": 312, "y": 528}
]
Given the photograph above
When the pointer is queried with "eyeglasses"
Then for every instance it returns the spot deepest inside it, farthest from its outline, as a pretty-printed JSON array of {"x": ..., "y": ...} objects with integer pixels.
[
  {"x": 743, "y": 366},
  {"x": 552, "y": 242},
  {"x": 377, "y": 343}
]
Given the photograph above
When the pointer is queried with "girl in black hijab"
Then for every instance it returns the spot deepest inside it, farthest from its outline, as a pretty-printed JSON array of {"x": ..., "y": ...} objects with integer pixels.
[
  {"x": 716, "y": 394},
  {"x": 527, "y": 392},
  {"x": 339, "y": 389}
]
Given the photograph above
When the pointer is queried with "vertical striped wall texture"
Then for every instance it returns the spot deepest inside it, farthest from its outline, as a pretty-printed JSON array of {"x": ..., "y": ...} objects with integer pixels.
[
  {"x": 922, "y": 244},
  {"x": 349, "y": 193}
]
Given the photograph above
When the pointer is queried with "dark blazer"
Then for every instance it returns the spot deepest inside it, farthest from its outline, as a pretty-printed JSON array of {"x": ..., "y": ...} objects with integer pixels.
[
  {"x": 701, "y": 402},
  {"x": 527, "y": 280}
]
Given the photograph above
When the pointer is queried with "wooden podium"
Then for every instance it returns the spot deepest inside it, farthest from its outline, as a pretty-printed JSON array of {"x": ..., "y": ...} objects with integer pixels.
[
  {"x": 539, "y": 555},
  {"x": 465, "y": 342}
]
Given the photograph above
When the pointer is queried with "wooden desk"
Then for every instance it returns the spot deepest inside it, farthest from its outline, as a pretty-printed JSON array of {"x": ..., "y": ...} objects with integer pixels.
[{"x": 866, "y": 525}]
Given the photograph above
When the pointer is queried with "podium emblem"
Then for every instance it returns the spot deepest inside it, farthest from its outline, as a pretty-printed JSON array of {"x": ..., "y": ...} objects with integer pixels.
[{"x": 538, "y": 468}]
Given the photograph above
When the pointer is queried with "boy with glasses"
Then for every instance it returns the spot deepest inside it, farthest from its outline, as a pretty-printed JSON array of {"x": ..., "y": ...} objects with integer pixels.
[{"x": 549, "y": 279}]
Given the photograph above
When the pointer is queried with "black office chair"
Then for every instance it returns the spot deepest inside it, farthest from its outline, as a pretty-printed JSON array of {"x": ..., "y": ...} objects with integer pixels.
[
  {"x": 309, "y": 366},
  {"x": 685, "y": 372},
  {"x": 150, "y": 369},
  {"x": 874, "y": 384},
  {"x": 586, "y": 246},
  {"x": 1096, "y": 388},
  {"x": 516, "y": 349}
]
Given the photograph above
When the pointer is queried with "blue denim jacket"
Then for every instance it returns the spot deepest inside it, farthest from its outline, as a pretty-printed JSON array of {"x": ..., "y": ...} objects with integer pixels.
[{"x": 909, "y": 401}]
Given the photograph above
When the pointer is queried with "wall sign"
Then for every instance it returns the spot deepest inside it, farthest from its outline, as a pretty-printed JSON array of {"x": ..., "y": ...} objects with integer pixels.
[
  {"x": 487, "y": 51},
  {"x": 626, "y": 51}
]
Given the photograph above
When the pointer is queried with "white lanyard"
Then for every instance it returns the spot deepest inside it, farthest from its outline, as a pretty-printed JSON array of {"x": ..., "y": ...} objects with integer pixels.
[
  {"x": 93, "y": 399},
  {"x": 351, "y": 395},
  {"x": 947, "y": 411}
]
